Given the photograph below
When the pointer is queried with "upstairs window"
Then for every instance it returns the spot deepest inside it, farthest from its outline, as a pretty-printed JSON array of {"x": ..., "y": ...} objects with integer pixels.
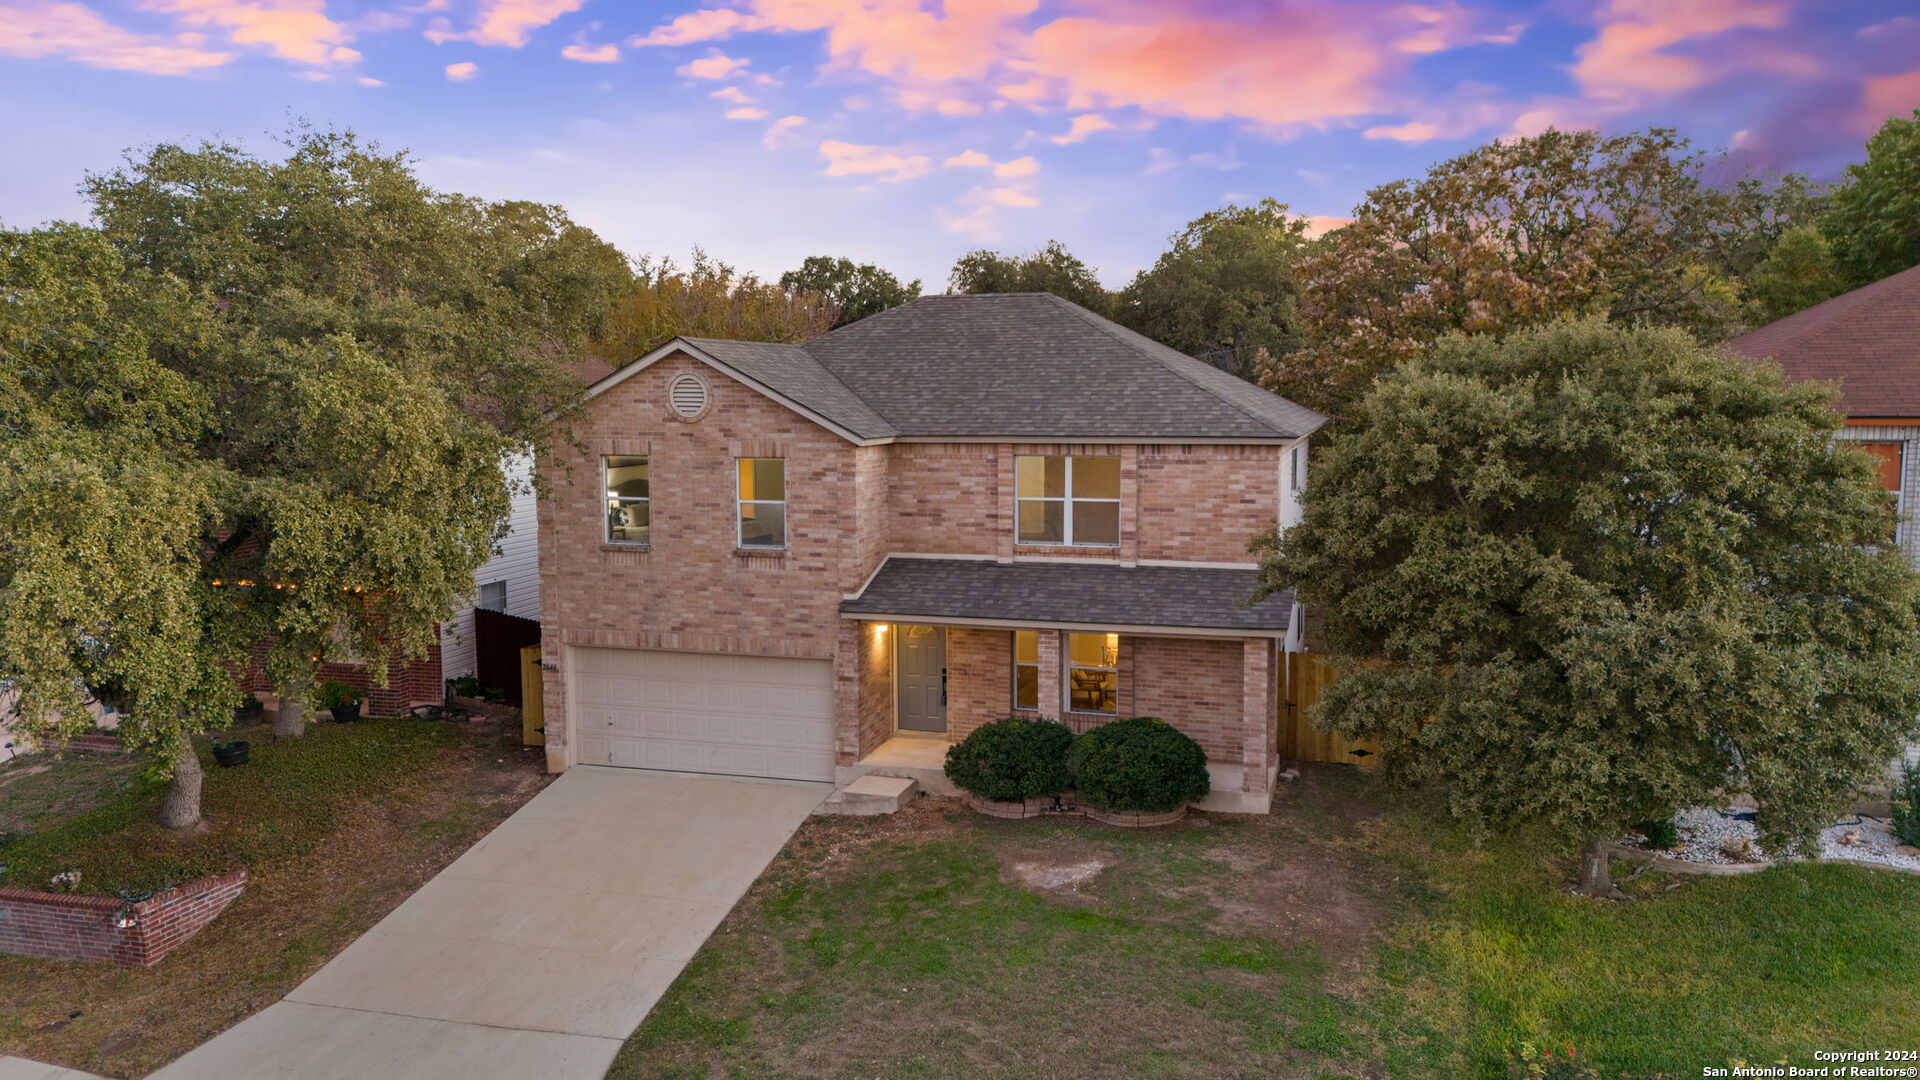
[
  {"x": 1891, "y": 458},
  {"x": 629, "y": 506},
  {"x": 763, "y": 503},
  {"x": 1066, "y": 500},
  {"x": 1026, "y": 670},
  {"x": 493, "y": 597}
]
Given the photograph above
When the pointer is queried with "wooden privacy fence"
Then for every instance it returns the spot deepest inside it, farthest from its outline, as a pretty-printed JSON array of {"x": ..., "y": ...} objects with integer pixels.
[{"x": 1308, "y": 676}]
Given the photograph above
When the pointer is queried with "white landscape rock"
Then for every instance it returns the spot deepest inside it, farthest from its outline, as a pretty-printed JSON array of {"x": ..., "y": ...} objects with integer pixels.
[{"x": 1711, "y": 837}]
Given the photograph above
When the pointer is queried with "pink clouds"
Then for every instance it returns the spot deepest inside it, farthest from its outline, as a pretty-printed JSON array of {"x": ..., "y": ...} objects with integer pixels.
[
  {"x": 1630, "y": 57},
  {"x": 75, "y": 32},
  {"x": 586, "y": 52},
  {"x": 885, "y": 163},
  {"x": 715, "y": 65},
  {"x": 296, "y": 30},
  {"x": 1882, "y": 96},
  {"x": 508, "y": 23},
  {"x": 1083, "y": 125},
  {"x": 462, "y": 71}
]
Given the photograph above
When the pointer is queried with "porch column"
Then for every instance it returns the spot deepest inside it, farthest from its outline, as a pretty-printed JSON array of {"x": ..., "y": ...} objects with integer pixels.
[
  {"x": 846, "y": 692},
  {"x": 1050, "y": 700},
  {"x": 1257, "y": 713}
]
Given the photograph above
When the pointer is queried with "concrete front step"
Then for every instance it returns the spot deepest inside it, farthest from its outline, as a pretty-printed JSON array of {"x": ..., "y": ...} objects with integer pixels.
[{"x": 871, "y": 794}]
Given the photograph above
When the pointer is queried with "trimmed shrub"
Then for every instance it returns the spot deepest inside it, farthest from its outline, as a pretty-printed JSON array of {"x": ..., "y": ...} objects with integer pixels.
[
  {"x": 1011, "y": 759},
  {"x": 1661, "y": 834},
  {"x": 1142, "y": 764}
]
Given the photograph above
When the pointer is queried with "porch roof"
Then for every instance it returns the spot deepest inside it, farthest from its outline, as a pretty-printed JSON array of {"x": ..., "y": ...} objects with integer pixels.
[{"x": 1093, "y": 595}]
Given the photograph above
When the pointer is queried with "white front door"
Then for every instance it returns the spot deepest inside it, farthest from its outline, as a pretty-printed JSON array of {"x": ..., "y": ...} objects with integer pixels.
[{"x": 704, "y": 712}]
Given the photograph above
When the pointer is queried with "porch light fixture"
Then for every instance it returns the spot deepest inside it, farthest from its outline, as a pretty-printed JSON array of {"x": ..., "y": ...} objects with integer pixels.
[{"x": 879, "y": 629}]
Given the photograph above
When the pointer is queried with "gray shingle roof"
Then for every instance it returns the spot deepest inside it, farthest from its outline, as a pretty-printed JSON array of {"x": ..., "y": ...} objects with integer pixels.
[
  {"x": 1010, "y": 365},
  {"x": 1096, "y": 594},
  {"x": 792, "y": 372},
  {"x": 1867, "y": 340}
]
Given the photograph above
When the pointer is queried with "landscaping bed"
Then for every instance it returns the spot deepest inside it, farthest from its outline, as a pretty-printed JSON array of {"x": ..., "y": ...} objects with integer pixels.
[
  {"x": 1351, "y": 933},
  {"x": 334, "y": 829}
]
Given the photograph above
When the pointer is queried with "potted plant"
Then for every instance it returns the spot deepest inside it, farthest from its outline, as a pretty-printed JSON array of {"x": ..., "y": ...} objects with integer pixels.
[
  {"x": 342, "y": 699},
  {"x": 1012, "y": 768},
  {"x": 1139, "y": 772},
  {"x": 230, "y": 752}
]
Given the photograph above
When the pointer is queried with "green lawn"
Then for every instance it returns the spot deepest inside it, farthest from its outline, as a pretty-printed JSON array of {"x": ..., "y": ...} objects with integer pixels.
[
  {"x": 1346, "y": 935},
  {"x": 334, "y": 828}
]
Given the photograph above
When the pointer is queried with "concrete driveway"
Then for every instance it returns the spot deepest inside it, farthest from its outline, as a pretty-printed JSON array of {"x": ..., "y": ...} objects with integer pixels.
[{"x": 539, "y": 950}]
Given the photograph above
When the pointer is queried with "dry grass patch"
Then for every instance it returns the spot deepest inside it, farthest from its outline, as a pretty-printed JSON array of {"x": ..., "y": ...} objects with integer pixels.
[{"x": 335, "y": 829}]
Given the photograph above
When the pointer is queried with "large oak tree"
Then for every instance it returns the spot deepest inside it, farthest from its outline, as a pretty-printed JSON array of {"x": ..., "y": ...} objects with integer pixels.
[
  {"x": 1591, "y": 575},
  {"x": 349, "y": 358}
]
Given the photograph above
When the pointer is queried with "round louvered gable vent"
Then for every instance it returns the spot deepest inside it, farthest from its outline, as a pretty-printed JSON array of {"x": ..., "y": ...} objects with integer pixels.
[{"x": 687, "y": 396}]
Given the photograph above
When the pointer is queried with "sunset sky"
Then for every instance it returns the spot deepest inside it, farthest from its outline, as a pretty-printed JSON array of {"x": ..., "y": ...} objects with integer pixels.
[{"x": 908, "y": 131}]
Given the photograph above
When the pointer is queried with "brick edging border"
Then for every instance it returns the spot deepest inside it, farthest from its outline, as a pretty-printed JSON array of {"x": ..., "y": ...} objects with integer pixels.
[{"x": 63, "y": 926}]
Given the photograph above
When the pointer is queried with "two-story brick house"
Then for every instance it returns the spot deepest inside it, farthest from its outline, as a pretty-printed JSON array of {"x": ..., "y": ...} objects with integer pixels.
[{"x": 810, "y": 561}]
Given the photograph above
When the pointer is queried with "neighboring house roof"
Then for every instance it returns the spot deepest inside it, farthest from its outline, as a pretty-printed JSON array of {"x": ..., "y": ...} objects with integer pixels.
[
  {"x": 1867, "y": 340},
  {"x": 1002, "y": 366},
  {"x": 1092, "y": 594}
]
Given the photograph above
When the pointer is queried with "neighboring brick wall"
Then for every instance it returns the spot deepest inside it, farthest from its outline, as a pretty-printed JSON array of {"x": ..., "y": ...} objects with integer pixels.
[
  {"x": 65, "y": 927},
  {"x": 409, "y": 682}
]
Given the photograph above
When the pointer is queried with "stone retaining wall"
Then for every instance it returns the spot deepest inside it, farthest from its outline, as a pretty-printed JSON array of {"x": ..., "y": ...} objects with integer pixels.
[{"x": 68, "y": 927}]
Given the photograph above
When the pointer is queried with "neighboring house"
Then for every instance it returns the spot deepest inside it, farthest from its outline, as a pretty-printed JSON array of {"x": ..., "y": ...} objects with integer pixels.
[
  {"x": 1868, "y": 342},
  {"x": 509, "y": 582},
  {"x": 812, "y": 561}
]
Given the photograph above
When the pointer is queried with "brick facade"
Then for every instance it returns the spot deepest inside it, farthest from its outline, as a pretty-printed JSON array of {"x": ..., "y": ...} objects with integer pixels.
[
  {"x": 850, "y": 506},
  {"x": 66, "y": 927}
]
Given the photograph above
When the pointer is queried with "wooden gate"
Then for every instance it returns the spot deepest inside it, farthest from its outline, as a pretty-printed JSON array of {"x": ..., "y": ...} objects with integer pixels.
[
  {"x": 533, "y": 711},
  {"x": 1308, "y": 676}
]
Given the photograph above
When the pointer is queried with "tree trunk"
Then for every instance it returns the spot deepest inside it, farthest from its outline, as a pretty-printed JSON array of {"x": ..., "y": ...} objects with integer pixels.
[
  {"x": 1596, "y": 870},
  {"x": 290, "y": 720},
  {"x": 180, "y": 807}
]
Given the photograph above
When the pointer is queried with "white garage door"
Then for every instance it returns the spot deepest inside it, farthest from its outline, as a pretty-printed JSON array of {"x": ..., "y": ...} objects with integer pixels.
[{"x": 705, "y": 712}]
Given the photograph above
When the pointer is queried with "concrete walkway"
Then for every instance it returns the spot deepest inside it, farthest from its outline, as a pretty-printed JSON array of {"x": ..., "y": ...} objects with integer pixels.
[{"x": 539, "y": 950}]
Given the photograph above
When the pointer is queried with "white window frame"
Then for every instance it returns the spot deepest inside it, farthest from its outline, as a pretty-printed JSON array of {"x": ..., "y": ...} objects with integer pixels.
[
  {"x": 1066, "y": 684},
  {"x": 606, "y": 525},
  {"x": 1294, "y": 458},
  {"x": 480, "y": 601},
  {"x": 1018, "y": 664},
  {"x": 739, "y": 519},
  {"x": 1067, "y": 498}
]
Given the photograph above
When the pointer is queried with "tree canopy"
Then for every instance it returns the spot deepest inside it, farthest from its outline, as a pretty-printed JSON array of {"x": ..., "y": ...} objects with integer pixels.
[
  {"x": 708, "y": 298},
  {"x": 1517, "y": 233},
  {"x": 858, "y": 290},
  {"x": 1052, "y": 269},
  {"x": 340, "y": 362},
  {"x": 1873, "y": 217},
  {"x": 1225, "y": 283},
  {"x": 1591, "y": 574}
]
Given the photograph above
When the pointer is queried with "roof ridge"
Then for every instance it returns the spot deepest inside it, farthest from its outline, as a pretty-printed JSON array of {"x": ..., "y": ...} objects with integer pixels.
[{"x": 1102, "y": 324}]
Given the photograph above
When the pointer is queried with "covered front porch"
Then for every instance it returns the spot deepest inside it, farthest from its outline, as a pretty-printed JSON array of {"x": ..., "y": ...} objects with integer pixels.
[{"x": 930, "y": 650}]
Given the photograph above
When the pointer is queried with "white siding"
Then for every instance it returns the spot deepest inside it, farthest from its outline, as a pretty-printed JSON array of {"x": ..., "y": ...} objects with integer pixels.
[
  {"x": 516, "y": 562},
  {"x": 1290, "y": 508}
]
